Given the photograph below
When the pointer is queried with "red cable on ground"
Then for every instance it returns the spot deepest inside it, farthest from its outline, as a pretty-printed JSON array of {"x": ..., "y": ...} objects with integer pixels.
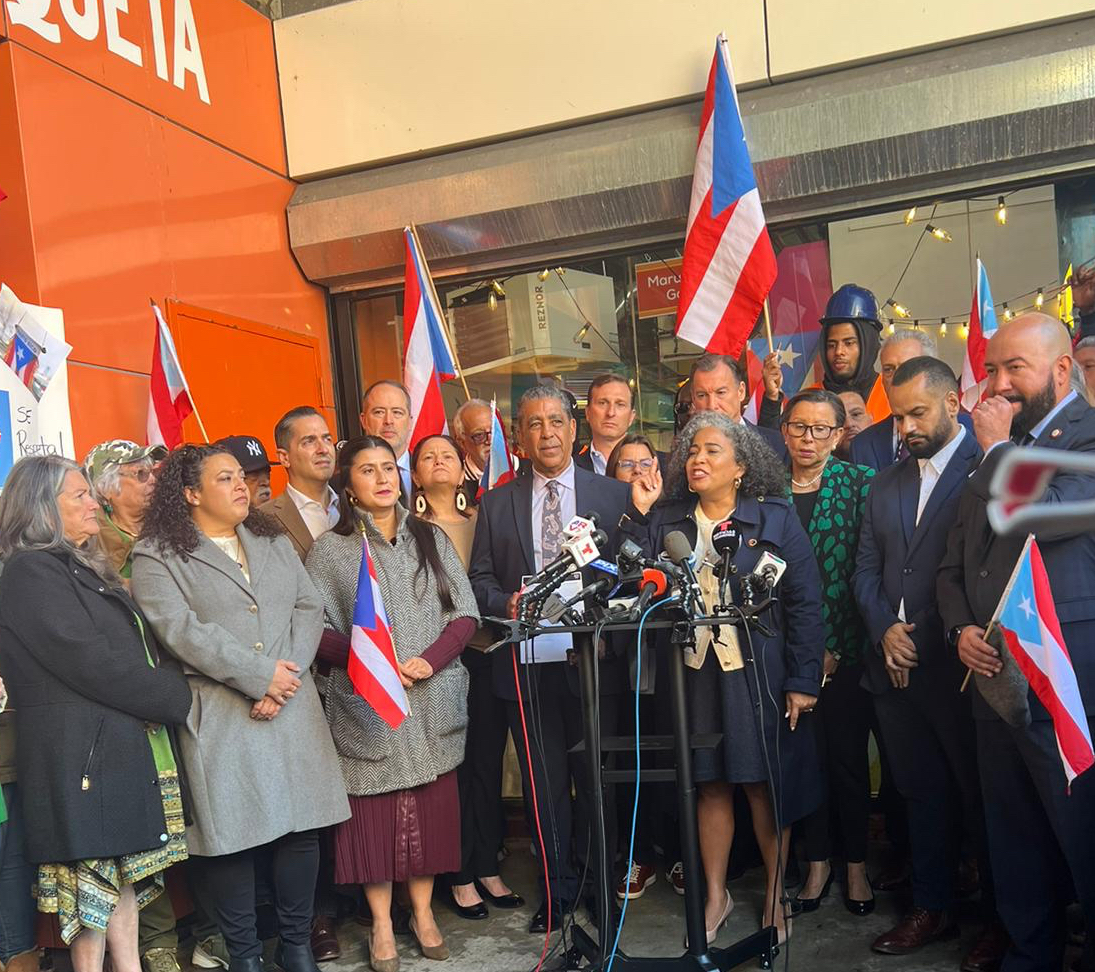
[{"x": 535, "y": 808}]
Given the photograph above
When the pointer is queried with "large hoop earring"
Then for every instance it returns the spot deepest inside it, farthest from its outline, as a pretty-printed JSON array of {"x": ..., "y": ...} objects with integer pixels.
[
  {"x": 461, "y": 500},
  {"x": 420, "y": 504}
]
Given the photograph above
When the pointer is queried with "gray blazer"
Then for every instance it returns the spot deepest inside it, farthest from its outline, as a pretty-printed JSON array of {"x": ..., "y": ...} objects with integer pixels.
[{"x": 250, "y": 781}]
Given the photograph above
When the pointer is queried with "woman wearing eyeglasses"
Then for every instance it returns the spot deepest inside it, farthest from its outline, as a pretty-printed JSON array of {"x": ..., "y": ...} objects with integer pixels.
[{"x": 829, "y": 497}]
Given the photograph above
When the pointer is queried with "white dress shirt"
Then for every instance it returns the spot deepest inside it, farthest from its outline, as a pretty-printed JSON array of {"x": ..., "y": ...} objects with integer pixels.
[
  {"x": 568, "y": 504},
  {"x": 317, "y": 517}
]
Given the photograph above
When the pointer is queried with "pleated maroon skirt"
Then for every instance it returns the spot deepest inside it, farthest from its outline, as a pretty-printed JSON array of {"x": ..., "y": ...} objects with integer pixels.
[{"x": 400, "y": 835}]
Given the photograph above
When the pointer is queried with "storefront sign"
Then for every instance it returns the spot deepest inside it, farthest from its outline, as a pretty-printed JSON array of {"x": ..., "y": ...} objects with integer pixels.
[{"x": 658, "y": 287}]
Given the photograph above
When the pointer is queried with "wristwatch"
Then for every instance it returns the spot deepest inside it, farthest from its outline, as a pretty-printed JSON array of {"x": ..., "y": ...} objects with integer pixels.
[{"x": 954, "y": 634}]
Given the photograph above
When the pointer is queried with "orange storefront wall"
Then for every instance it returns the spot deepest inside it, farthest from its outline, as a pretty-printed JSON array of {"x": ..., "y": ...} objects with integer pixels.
[{"x": 123, "y": 187}]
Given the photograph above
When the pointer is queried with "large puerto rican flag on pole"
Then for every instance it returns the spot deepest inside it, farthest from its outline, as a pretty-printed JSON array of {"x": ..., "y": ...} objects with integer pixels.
[
  {"x": 169, "y": 400},
  {"x": 499, "y": 465},
  {"x": 427, "y": 356},
  {"x": 372, "y": 666},
  {"x": 982, "y": 327},
  {"x": 729, "y": 265},
  {"x": 1028, "y": 623}
]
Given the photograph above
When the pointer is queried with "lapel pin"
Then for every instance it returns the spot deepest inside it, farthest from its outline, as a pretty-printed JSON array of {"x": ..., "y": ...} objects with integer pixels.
[
  {"x": 1055, "y": 433},
  {"x": 753, "y": 542}
]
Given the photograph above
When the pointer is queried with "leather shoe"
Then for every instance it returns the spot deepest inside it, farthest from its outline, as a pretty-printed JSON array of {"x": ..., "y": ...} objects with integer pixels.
[
  {"x": 987, "y": 954},
  {"x": 294, "y": 958},
  {"x": 916, "y": 929},
  {"x": 538, "y": 924},
  {"x": 245, "y": 964},
  {"x": 475, "y": 912},
  {"x": 325, "y": 945},
  {"x": 895, "y": 876},
  {"x": 812, "y": 904},
  {"x": 508, "y": 901}
]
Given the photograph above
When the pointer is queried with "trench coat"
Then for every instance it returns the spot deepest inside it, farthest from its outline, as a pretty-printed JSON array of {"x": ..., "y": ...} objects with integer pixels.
[{"x": 251, "y": 782}]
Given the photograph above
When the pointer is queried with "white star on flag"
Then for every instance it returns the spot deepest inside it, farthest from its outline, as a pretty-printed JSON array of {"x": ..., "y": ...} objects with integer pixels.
[
  {"x": 786, "y": 356},
  {"x": 1024, "y": 606}
]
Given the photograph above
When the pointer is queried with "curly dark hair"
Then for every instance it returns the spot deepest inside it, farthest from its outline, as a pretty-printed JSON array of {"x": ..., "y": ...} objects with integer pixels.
[
  {"x": 764, "y": 475},
  {"x": 168, "y": 523}
]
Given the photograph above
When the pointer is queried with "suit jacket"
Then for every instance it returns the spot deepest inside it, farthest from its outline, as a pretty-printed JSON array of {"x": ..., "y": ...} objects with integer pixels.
[
  {"x": 774, "y": 440},
  {"x": 502, "y": 553},
  {"x": 284, "y": 510},
  {"x": 874, "y": 446},
  {"x": 899, "y": 558},
  {"x": 74, "y": 662},
  {"x": 978, "y": 563},
  {"x": 229, "y": 632}
]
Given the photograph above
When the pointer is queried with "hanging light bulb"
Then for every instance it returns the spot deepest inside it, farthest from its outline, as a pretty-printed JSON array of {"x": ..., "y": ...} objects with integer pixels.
[
  {"x": 1040, "y": 299},
  {"x": 963, "y": 331},
  {"x": 498, "y": 288},
  {"x": 581, "y": 333},
  {"x": 910, "y": 215},
  {"x": 544, "y": 274},
  {"x": 560, "y": 270},
  {"x": 943, "y": 327},
  {"x": 492, "y": 301},
  {"x": 899, "y": 309},
  {"x": 938, "y": 233},
  {"x": 1001, "y": 211},
  {"x": 1008, "y": 315},
  {"x": 890, "y": 328}
]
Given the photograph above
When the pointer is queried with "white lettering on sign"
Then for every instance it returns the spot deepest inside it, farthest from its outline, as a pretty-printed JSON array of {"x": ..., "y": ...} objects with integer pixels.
[{"x": 83, "y": 18}]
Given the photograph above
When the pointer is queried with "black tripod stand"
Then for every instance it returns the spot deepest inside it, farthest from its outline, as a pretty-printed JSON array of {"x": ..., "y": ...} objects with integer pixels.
[{"x": 699, "y": 955}]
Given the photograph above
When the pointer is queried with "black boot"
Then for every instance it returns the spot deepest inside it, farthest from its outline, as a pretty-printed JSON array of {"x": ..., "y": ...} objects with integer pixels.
[
  {"x": 294, "y": 958},
  {"x": 245, "y": 964}
]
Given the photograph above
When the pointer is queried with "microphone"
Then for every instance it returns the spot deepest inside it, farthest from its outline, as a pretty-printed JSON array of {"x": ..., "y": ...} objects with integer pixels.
[
  {"x": 679, "y": 551},
  {"x": 653, "y": 585},
  {"x": 766, "y": 574},
  {"x": 726, "y": 540},
  {"x": 576, "y": 553}
]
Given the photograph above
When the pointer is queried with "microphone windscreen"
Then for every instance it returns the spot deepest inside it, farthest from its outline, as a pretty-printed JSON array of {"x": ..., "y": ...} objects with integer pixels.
[
  {"x": 725, "y": 538},
  {"x": 656, "y": 577},
  {"x": 677, "y": 547}
]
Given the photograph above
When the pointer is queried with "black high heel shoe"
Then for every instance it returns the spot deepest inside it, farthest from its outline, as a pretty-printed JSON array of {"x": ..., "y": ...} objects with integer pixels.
[
  {"x": 859, "y": 908},
  {"x": 801, "y": 904},
  {"x": 511, "y": 900}
]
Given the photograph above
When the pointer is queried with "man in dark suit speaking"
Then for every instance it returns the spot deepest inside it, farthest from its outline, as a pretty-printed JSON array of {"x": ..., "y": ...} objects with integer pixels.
[
  {"x": 1039, "y": 830},
  {"x": 520, "y": 531},
  {"x": 912, "y": 673}
]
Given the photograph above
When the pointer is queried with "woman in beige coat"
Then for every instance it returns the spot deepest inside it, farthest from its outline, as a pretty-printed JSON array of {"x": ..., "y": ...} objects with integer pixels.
[{"x": 229, "y": 598}]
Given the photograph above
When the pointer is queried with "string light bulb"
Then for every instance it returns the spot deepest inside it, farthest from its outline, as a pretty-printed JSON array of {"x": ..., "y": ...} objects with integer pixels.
[
  {"x": 963, "y": 331},
  {"x": 943, "y": 327},
  {"x": 498, "y": 288},
  {"x": 899, "y": 309},
  {"x": 910, "y": 215},
  {"x": 1001, "y": 211},
  {"x": 938, "y": 232},
  {"x": 544, "y": 274},
  {"x": 492, "y": 301},
  {"x": 579, "y": 337},
  {"x": 1008, "y": 315},
  {"x": 1040, "y": 299},
  {"x": 890, "y": 329}
]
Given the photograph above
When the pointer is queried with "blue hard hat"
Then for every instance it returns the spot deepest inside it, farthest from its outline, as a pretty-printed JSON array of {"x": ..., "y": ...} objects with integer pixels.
[{"x": 852, "y": 302}]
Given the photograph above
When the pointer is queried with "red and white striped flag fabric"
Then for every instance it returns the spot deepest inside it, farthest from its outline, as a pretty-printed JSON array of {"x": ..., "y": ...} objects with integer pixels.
[
  {"x": 982, "y": 327},
  {"x": 1027, "y": 619},
  {"x": 373, "y": 667},
  {"x": 499, "y": 469},
  {"x": 169, "y": 399},
  {"x": 729, "y": 265},
  {"x": 428, "y": 359}
]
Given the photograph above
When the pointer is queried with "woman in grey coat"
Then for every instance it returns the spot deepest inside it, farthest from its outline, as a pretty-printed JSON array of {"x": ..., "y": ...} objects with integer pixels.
[
  {"x": 229, "y": 598},
  {"x": 404, "y": 799}
]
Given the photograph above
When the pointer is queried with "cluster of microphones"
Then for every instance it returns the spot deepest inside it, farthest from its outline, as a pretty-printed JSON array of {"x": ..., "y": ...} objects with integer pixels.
[{"x": 623, "y": 590}]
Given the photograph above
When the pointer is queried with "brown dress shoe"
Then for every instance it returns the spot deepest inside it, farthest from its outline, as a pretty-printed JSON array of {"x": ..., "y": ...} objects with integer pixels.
[
  {"x": 988, "y": 951},
  {"x": 325, "y": 945},
  {"x": 914, "y": 931}
]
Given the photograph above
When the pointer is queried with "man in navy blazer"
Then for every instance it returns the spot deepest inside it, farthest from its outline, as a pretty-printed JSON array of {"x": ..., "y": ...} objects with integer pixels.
[
  {"x": 880, "y": 445},
  {"x": 510, "y": 539},
  {"x": 1040, "y": 830},
  {"x": 914, "y": 676},
  {"x": 718, "y": 385}
]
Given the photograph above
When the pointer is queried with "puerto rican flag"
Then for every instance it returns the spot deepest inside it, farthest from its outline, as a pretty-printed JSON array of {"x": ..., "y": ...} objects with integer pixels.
[
  {"x": 982, "y": 327},
  {"x": 22, "y": 358},
  {"x": 729, "y": 264},
  {"x": 373, "y": 667},
  {"x": 169, "y": 399},
  {"x": 1028, "y": 623},
  {"x": 499, "y": 465},
  {"x": 427, "y": 356}
]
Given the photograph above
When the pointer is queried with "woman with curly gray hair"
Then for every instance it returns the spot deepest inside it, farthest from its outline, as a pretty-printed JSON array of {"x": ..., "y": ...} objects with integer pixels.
[{"x": 721, "y": 470}]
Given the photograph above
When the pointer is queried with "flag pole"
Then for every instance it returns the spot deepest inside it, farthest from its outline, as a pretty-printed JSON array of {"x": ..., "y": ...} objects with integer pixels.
[
  {"x": 440, "y": 312},
  {"x": 1002, "y": 602},
  {"x": 186, "y": 385},
  {"x": 768, "y": 325}
]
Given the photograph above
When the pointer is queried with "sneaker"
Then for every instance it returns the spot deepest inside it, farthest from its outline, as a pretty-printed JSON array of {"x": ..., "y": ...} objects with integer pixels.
[
  {"x": 210, "y": 953},
  {"x": 637, "y": 880},
  {"x": 675, "y": 876},
  {"x": 160, "y": 960}
]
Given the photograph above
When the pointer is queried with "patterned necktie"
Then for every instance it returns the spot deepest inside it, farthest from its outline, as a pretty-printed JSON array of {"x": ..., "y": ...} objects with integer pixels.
[
  {"x": 551, "y": 525},
  {"x": 902, "y": 451}
]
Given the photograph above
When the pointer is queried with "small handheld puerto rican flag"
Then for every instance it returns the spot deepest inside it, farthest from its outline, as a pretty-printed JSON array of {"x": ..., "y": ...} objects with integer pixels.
[
  {"x": 499, "y": 466},
  {"x": 1027, "y": 619},
  {"x": 22, "y": 358},
  {"x": 373, "y": 667}
]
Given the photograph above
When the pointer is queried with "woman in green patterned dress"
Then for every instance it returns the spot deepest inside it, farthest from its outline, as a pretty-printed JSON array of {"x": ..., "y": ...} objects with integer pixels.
[
  {"x": 99, "y": 790},
  {"x": 829, "y": 497}
]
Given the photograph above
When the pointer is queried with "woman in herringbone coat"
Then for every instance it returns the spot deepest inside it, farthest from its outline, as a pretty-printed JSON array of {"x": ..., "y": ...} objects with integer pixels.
[{"x": 404, "y": 801}]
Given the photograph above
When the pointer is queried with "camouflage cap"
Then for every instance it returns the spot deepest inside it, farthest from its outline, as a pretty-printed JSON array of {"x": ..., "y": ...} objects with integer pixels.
[{"x": 119, "y": 452}]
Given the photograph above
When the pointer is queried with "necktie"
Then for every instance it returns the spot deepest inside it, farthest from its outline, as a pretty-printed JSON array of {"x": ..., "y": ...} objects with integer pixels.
[
  {"x": 551, "y": 525},
  {"x": 901, "y": 452}
]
